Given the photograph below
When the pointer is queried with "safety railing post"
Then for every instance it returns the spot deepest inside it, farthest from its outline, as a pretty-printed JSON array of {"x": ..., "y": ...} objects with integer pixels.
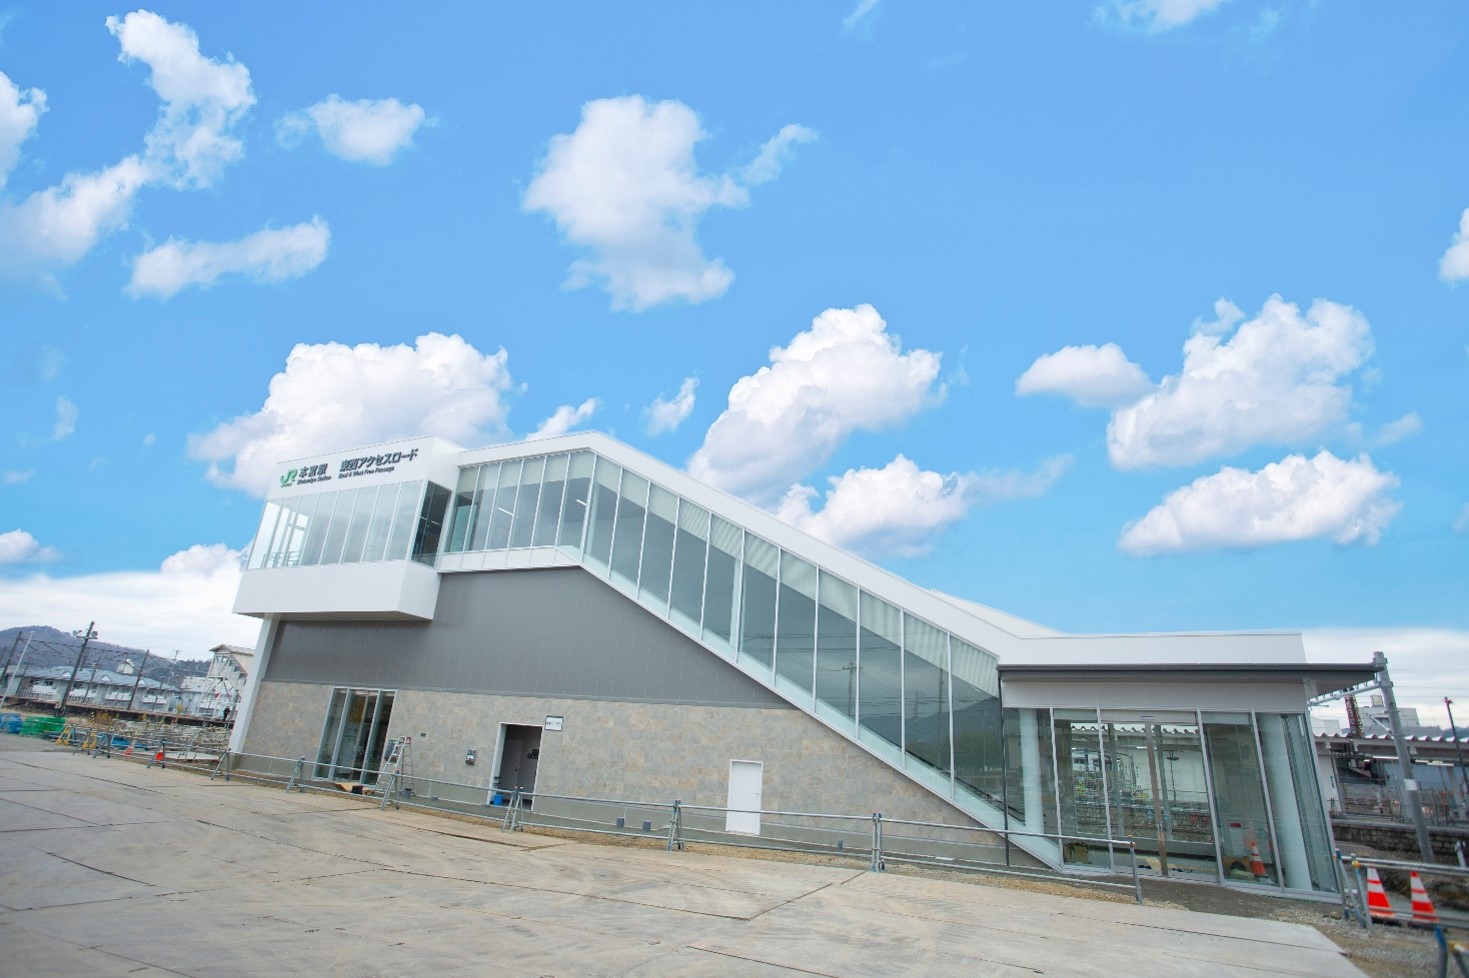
[
  {"x": 298, "y": 777},
  {"x": 515, "y": 810},
  {"x": 1365, "y": 914},
  {"x": 1137, "y": 883},
  {"x": 675, "y": 827},
  {"x": 509, "y": 814},
  {"x": 876, "y": 865}
]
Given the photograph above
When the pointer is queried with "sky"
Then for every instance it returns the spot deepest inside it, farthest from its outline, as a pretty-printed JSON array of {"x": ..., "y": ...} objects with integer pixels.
[{"x": 1117, "y": 315}]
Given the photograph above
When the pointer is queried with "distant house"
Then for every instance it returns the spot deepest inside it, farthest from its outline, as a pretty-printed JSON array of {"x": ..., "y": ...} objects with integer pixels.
[
  {"x": 217, "y": 693},
  {"x": 101, "y": 688}
]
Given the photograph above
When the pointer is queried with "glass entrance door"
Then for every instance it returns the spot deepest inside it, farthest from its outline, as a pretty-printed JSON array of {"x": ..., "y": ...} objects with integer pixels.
[{"x": 1159, "y": 793}]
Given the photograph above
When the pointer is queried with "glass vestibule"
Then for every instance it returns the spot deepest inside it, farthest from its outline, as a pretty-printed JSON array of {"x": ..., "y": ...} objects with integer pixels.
[{"x": 1211, "y": 795}]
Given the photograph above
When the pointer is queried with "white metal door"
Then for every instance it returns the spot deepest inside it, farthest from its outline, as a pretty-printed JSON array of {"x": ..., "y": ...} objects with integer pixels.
[{"x": 745, "y": 778}]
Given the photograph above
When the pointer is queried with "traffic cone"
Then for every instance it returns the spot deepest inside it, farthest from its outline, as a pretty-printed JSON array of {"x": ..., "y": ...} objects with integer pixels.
[
  {"x": 1423, "y": 912},
  {"x": 1257, "y": 865},
  {"x": 1377, "y": 904},
  {"x": 129, "y": 751}
]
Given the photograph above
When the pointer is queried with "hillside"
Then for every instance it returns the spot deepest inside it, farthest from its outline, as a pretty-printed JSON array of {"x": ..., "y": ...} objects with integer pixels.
[{"x": 47, "y": 646}]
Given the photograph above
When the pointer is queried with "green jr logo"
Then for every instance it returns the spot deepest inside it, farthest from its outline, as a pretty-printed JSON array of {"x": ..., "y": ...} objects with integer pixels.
[{"x": 289, "y": 478}]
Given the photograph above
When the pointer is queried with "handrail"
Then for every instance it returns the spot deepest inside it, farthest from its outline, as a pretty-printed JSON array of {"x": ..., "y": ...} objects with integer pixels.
[{"x": 297, "y": 772}]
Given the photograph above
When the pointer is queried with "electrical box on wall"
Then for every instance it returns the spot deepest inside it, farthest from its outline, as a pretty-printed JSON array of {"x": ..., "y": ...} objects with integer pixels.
[{"x": 470, "y": 756}]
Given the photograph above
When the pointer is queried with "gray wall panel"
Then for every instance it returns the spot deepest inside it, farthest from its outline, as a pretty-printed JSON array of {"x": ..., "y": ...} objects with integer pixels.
[{"x": 552, "y": 632}]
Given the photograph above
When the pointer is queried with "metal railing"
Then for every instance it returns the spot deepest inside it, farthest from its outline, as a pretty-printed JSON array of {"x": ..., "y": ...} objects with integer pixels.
[
  {"x": 1354, "y": 892},
  {"x": 871, "y": 839}
]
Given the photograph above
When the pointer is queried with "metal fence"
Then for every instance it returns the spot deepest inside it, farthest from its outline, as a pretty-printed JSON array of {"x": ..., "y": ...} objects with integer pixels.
[
  {"x": 1440, "y": 806},
  {"x": 870, "y": 838}
]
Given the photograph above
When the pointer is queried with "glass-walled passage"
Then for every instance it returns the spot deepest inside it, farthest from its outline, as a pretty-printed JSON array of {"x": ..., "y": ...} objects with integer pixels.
[
  {"x": 923, "y": 699},
  {"x": 1215, "y": 796},
  {"x": 1224, "y": 797},
  {"x": 344, "y": 526}
]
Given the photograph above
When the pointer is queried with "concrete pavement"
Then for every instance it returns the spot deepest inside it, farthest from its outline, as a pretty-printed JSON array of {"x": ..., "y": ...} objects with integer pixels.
[{"x": 109, "y": 868}]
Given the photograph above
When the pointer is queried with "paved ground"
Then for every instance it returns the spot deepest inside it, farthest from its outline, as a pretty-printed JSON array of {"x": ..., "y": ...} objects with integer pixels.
[{"x": 109, "y": 868}]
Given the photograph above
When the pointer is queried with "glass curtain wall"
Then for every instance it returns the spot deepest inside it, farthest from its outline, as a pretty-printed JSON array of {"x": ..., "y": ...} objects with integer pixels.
[
  {"x": 354, "y": 735},
  {"x": 343, "y": 526},
  {"x": 904, "y": 688},
  {"x": 1224, "y": 795},
  {"x": 1213, "y": 795}
]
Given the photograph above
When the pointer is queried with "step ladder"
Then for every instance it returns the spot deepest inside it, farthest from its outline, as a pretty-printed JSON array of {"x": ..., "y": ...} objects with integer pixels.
[{"x": 397, "y": 780}]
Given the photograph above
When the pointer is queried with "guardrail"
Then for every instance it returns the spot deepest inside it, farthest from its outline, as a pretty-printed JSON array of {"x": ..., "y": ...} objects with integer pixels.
[
  {"x": 1355, "y": 893},
  {"x": 873, "y": 839}
]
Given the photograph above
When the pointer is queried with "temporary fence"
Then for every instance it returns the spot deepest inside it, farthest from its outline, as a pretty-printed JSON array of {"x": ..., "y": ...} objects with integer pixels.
[
  {"x": 1357, "y": 874},
  {"x": 870, "y": 838},
  {"x": 1364, "y": 900}
]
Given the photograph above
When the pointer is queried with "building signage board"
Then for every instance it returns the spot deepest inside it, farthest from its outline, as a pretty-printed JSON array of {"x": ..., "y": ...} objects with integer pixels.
[
  {"x": 555, "y": 723},
  {"x": 396, "y": 463}
]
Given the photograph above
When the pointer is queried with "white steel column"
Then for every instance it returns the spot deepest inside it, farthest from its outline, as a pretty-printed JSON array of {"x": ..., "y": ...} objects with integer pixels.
[
  {"x": 1292, "y": 840},
  {"x": 1030, "y": 770},
  {"x": 246, "y": 710}
]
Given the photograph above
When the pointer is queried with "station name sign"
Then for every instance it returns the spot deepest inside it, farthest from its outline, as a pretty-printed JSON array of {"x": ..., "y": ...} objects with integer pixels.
[{"x": 349, "y": 468}]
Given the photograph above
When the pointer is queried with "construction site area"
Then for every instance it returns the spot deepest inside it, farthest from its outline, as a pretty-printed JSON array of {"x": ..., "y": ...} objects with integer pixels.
[{"x": 128, "y": 853}]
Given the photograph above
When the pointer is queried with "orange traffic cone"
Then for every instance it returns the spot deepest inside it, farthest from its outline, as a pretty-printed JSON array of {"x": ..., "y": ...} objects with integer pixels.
[
  {"x": 129, "y": 751},
  {"x": 1257, "y": 865},
  {"x": 1377, "y": 904},
  {"x": 1423, "y": 912}
]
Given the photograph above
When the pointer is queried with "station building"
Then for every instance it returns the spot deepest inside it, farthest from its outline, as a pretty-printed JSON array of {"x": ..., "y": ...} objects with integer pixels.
[{"x": 572, "y": 617}]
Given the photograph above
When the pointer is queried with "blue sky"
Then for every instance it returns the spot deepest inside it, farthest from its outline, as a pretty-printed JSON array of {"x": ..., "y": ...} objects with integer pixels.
[{"x": 1120, "y": 315}]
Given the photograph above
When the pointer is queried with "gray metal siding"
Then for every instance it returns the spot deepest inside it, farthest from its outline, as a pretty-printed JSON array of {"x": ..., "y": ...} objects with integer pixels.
[{"x": 552, "y": 632}]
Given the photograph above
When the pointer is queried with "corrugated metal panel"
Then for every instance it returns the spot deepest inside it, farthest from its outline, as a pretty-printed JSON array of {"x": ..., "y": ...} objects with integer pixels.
[{"x": 553, "y": 632}]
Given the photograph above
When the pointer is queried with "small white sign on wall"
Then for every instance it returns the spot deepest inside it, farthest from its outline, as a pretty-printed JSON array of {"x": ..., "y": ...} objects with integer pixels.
[{"x": 554, "y": 723}]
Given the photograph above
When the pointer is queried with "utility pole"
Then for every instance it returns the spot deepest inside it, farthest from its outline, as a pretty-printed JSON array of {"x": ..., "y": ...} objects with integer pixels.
[
  {"x": 4, "y": 683},
  {"x": 87, "y": 637},
  {"x": 11, "y": 654},
  {"x": 1458, "y": 748},
  {"x": 1405, "y": 763},
  {"x": 134, "y": 698}
]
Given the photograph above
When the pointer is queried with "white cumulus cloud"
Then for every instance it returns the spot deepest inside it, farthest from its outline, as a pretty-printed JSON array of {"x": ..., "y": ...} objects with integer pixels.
[
  {"x": 666, "y": 414},
  {"x": 268, "y": 255},
  {"x": 625, "y": 187},
  {"x": 1276, "y": 379},
  {"x": 1454, "y": 265},
  {"x": 846, "y": 373},
  {"x": 1092, "y": 376},
  {"x": 184, "y": 605},
  {"x": 1297, "y": 498},
  {"x": 188, "y": 147},
  {"x": 365, "y": 131},
  {"x": 203, "y": 99},
  {"x": 20, "y": 111},
  {"x": 331, "y": 396},
  {"x": 566, "y": 417},
  {"x": 19, "y": 547},
  {"x": 899, "y": 507},
  {"x": 1155, "y": 16},
  {"x": 66, "y": 419},
  {"x": 55, "y": 227}
]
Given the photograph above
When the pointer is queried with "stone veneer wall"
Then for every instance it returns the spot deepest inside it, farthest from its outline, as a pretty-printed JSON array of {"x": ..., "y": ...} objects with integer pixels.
[
  {"x": 634, "y": 751},
  {"x": 288, "y": 720}
]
